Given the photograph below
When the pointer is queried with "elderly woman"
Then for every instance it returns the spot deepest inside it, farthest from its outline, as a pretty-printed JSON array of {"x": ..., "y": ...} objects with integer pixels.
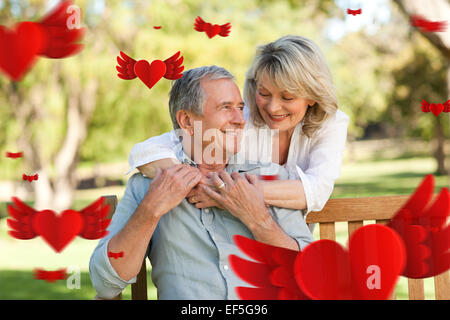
[{"x": 289, "y": 94}]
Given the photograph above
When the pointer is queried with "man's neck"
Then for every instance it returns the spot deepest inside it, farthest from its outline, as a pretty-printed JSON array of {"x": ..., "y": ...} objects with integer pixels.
[
  {"x": 203, "y": 165},
  {"x": 206, "y": 168}
]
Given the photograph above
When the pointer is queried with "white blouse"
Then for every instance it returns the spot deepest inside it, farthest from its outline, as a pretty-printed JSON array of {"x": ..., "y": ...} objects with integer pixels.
[{"x": 315, "y": 161}]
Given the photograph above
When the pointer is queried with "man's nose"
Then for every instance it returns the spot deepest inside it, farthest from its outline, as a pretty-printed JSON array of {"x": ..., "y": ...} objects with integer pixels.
[{"x": 238, "y": 117}]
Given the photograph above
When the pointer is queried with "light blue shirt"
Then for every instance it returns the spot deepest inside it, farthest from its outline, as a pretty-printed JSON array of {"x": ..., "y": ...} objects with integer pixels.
[{"x": 190, "y": 247}]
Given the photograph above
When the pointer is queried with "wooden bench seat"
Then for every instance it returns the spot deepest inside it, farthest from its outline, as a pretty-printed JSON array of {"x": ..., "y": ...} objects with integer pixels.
[{"x": 353, "y": 211}]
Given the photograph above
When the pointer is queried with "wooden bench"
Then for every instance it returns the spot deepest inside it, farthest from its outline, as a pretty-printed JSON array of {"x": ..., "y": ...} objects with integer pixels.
[{"x": 353, "y": 211}]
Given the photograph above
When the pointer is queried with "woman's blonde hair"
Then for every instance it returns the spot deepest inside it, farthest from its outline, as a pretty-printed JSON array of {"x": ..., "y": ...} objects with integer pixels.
[{"x": 297, "y": 65}]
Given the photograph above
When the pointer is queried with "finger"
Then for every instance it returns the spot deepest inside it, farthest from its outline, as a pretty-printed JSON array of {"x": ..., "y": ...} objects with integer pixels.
[
  {"x": 217, "y": 182},
  {"x": 193, "y": 181},
  {"x": 177, "y": 168},
  {"x": 236, "y": 176},
  {"x": 198, "y": 205},
  {"x": 192, "y": 192},
  {"x": 202, "y": 205},
  {"x": 253, "y": 179},
  {"x": 204, "y": 180},
  {"x": 185, "y": 172},
  {"x": 226, "y": 178},
  {"x": 210, "y": 192},
  {"x": 208, "y": 181}
]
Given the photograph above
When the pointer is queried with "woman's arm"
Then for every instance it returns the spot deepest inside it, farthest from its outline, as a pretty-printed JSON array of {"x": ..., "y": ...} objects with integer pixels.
[
  {"x": 159, "y": 151},
  {"x": 310, "y": 189},
  {"x": 284, "y": 193},
  {"x": 279, "y": 193},
  {"x": 149, "y": 169}
]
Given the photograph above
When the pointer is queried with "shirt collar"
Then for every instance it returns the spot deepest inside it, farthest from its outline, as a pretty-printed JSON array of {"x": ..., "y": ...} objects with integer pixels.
[{"x": 183, "y": 157}]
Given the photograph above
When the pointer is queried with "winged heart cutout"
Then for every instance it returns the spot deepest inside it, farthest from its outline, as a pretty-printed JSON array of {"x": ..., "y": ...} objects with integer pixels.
[
  {"x": 325, "y": 270},
  {"x": 435, "y": 108},
  {"x": 58, "y": 230},
  {"x": 149, "y": 73},
  {"x": 354, "y": 12},
  {"x": 50, "y": 276},
  {"x": 210, "y": 29},
  {"x": 422, "y": 224},
  {"x": 426, "y": 25},
  {"x": 50, "y": 37},
  {"x": 30, "y": 178},
  {"x": 415, "y": 244},
  {"x": 14, "y": 155},
  {"x": 19, "y": 48}
]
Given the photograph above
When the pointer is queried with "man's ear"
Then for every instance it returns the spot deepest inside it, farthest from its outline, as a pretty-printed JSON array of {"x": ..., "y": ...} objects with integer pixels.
[{"x": 186, "y": 121}]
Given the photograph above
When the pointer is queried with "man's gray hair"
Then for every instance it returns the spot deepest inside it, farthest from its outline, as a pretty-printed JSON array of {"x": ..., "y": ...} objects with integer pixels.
[{"x": 187, "y": 93}]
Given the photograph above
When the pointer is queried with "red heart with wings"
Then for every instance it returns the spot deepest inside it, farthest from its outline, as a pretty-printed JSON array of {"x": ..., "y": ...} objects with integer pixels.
[
  {"x": 58, "y": 231},
  {"x": 436, "y": 108},
  {"x": 19, "y": 48},
  {"x": 367, "y": 270},
  {"x": 212, "y": 30},
  {"x": 150, "y": 74}
]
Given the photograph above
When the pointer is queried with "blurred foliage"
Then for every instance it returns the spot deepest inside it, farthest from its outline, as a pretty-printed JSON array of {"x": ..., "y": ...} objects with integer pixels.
[{"x": 380, "y": 78}]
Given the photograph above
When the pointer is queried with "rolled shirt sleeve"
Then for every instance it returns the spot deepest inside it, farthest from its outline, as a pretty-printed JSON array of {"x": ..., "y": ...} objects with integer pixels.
[
  {"x": 293, "y": 224},
  {"x": 291, "y": 221},
  {"x": 105, "y": 279},
  {"x": 325, "y": 160}
]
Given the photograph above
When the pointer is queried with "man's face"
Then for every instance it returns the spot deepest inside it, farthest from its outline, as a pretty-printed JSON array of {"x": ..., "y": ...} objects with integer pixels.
[{"x": 222, "y": 121}]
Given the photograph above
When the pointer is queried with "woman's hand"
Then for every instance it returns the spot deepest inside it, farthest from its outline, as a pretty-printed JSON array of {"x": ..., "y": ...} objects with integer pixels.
[
  {"x": 200, "y": 198},
  {"x": 242, "y": 197}
]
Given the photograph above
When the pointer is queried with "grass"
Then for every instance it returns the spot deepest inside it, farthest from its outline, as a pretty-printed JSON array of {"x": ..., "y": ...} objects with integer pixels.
[{"x": 18, "y": 257}]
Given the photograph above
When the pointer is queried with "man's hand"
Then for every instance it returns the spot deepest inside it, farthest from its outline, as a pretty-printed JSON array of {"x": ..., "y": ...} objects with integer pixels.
[
  {"x": 242, "y": 197},
  {"x": 200, "y": 198},
  {"x": 170, "y": 187}
]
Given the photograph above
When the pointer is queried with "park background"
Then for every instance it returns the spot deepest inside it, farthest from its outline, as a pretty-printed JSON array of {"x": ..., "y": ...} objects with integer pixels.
[{"x": 76, "y": 121}]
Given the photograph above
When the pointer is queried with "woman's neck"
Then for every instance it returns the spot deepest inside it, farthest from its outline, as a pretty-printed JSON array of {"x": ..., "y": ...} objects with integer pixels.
[{"x": 281, "y": 144}]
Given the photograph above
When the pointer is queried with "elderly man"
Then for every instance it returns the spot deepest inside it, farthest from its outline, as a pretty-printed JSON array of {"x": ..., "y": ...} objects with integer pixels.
[{"x": 189, "y": 247}]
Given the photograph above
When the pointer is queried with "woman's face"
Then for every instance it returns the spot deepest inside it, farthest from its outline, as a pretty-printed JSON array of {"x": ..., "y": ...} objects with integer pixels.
[{"x": 279, "y": 109}]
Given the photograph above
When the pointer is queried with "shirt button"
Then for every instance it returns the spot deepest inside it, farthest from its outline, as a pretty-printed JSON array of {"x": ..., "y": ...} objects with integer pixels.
[
  {"x": 207, "y": 210},
  {"x": 225, "y": 267}
]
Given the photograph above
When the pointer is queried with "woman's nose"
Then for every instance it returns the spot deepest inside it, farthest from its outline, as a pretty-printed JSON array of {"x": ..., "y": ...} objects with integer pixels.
[{"x": 273, "y": 106}]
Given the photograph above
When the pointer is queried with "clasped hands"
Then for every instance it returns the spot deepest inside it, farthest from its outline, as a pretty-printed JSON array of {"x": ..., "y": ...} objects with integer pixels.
[{"x": 241, "y": 196}]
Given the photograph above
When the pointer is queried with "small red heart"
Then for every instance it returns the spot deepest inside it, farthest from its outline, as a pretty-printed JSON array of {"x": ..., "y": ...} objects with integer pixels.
[
  {"x": 269, "y": 177},
  {"x": 212, "y": 30},
  {"x": 19, "y": 48},
  {"x": 369, "y": 269},
  {"x": 437, "y": 108},
  {"x": 150, "y": 73},
  {"x": 58, "y": 231}
]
